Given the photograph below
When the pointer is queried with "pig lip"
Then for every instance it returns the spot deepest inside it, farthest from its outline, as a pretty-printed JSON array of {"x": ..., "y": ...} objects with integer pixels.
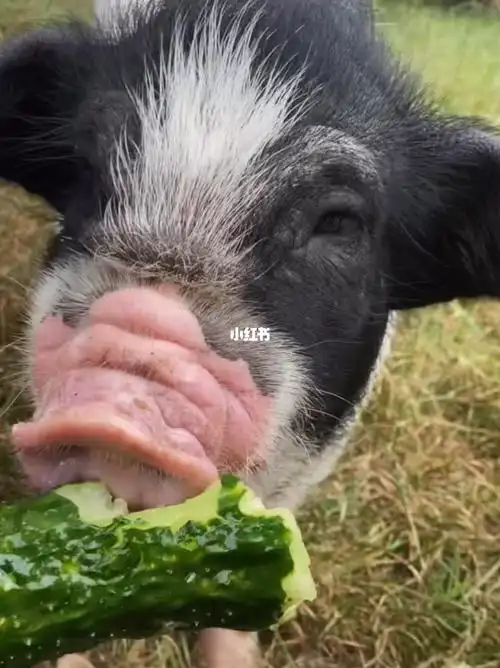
[{"x": 87, "y": 428}]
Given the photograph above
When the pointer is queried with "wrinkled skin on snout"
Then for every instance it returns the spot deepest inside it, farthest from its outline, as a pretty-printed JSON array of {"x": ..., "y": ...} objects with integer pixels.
[{"x": 274, "y": 170}]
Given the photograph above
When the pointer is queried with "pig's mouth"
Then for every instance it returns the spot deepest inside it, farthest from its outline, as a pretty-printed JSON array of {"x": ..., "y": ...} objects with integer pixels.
[{"x": 135, "y": 398}]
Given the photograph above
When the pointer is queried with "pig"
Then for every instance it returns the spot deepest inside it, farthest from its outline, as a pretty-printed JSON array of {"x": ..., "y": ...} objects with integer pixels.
[{"x": 247, "y": 194}]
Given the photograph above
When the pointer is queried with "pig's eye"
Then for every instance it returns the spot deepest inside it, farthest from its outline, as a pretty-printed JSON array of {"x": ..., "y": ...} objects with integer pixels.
[
  {"x": 338, "y": 214},
  {"x": 334, "y": 223}
]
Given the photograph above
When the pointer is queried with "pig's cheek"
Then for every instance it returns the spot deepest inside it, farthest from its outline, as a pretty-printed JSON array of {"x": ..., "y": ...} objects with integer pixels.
[
  {"x": 50, "y": 338},
  {"x": 51, "y": 334}
]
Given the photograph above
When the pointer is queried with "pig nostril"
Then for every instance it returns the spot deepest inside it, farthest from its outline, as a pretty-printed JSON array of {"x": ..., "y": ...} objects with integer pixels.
[{"x": 70, "y": 319}]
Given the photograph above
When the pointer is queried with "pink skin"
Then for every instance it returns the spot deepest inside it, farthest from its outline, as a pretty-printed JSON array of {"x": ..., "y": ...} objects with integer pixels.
[
  {"x": 136, "y": 383},
  {"x": 217, "y": 648}
]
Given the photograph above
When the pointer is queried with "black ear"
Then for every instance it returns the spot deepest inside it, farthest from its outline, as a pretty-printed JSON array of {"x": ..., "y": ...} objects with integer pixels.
[
  {"x": 41, "y": 86},
  {"x": 443, "y": 236}
]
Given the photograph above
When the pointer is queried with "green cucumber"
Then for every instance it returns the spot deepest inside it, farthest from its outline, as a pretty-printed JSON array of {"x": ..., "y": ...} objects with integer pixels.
[{"x": 77, "y": 570}]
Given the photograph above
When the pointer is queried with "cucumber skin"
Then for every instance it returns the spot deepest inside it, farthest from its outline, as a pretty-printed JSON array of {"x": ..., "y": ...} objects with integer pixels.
[{"x": 57, "y": 572}]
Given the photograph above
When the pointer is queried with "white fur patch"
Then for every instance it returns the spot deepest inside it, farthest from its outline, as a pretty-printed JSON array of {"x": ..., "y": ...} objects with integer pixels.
[{"x": 206, "y": 117}]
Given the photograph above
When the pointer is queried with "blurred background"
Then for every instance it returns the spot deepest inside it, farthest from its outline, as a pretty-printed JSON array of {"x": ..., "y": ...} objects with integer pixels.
[{"x": 405, "y": 536}]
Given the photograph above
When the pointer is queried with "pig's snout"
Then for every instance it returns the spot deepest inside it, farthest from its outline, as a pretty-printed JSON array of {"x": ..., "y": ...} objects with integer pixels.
[{"x": 134, "y": 397}]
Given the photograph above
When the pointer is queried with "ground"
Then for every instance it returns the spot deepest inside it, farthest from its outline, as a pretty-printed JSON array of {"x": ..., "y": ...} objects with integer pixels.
[{"x": 405, "y": 535}]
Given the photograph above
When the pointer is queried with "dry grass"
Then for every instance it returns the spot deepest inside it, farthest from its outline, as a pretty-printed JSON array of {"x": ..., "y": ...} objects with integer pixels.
[{"x": 405, "y": 537}]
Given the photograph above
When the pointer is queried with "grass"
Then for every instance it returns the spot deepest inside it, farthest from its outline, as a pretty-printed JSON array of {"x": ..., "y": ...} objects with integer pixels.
[{"x": 405, "y": 536}]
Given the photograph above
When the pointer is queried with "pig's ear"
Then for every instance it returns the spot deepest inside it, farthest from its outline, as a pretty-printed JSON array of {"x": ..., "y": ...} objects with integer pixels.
[
  {"x": 40, "y": 89},
  {"x": 443, "y": 239}
]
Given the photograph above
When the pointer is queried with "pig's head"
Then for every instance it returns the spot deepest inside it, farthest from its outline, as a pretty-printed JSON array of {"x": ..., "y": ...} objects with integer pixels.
[{"x": 217, "y": 171}]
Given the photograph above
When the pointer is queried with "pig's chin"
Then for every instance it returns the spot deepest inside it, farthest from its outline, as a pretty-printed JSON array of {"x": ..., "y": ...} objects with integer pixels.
[{"x": 140, "y": 485}]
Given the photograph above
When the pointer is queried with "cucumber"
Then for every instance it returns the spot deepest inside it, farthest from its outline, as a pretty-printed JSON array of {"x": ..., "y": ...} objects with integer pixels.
[{"x": 77, "y": 570}]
